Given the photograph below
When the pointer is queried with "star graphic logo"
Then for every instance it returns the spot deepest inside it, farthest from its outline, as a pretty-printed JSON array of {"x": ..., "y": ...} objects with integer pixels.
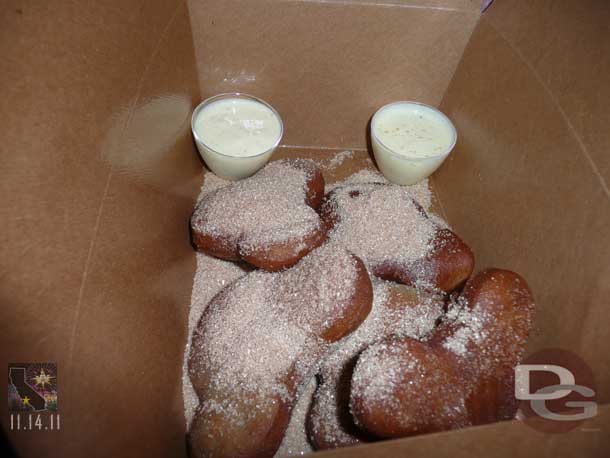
[
  {"x": 26, "y": 401},
  {"x": 42, "y": 379}
]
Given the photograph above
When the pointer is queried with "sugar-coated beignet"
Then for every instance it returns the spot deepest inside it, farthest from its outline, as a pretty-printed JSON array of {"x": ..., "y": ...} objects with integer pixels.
[
  {"x": 393, "y": 235},
  {"x": 397, "y": 310},
  {"x": 473, "y": 353},
  {"x": 402, "y": 387},
  {"x": 268, "y": 220},
  {"x": 258, "y": 340},
  {"x": 484, "y": 334}
]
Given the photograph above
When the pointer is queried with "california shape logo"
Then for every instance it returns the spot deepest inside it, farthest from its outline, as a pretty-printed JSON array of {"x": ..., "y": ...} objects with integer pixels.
[{"x": 32, "y": 387}]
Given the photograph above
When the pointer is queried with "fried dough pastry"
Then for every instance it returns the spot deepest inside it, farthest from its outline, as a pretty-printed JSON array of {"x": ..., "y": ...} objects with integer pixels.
[
  {"x": 393, "y": 235},
  {"x": 397, "y": 310},
  {"x": 268, "y": 220},
  {"x": 259, "y": 339},
  {"x": 462, "y": 376}
]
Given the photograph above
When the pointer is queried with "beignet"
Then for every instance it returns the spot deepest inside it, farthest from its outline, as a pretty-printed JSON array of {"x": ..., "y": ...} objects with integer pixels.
[
  {"x": 268, "y": 220},
  {"x": 397, "y": 310},
  {"x": 393, "y": 235},
  {"x": 461, "y": 376},
  {"x": 258, "y": 340}
]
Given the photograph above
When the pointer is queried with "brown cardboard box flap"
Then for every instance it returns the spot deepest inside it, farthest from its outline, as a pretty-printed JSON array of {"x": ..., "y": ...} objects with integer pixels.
[
  {"x": 326, "y": 66},
  {"x": 506, "y": 439}
]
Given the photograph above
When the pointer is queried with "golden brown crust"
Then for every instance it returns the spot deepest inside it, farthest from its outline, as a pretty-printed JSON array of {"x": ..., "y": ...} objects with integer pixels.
[
  {"x": 492, "y": 397},
  {"x": 317, "y": 423},
  {"x": 505, "y": 296},
  {"x": 398, "y": 309},
  {"x": 451, "y": 260},
  {"x": 447, "y": 266},
  {"x": 278, "y": 256},
  {"x": 217, "y": 246},
  {"x": 211, "y": 436},
  {"x": 360, "y": 306},
  {"x": 472, "y": 355},
  {"x": 422, "y": 393},
  {"x": 503, "y": 301}
]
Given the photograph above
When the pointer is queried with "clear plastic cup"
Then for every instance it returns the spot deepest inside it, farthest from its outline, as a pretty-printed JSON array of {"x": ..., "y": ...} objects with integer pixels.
[
  {"x": 409, "y": 166},
  {"x": 223, "y": 163}
]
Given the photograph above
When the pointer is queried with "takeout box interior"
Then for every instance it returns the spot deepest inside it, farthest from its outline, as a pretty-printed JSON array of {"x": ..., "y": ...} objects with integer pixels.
[{"x": 100, "y": 175}]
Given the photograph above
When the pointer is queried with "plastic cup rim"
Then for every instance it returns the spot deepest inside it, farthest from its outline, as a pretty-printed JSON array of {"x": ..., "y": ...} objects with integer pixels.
[
  {"x": 226, "y": 95},
  {"x": 413, "y": 158}
]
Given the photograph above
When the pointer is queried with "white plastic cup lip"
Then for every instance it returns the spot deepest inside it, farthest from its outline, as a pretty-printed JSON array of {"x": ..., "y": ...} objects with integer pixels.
[
  {"x": 235, "y": 95},
  {"x": 405, "y": 156}
]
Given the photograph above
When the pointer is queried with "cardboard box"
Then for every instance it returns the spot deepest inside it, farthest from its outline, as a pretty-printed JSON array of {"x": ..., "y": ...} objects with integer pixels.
[{"x": 99, "y": 177}]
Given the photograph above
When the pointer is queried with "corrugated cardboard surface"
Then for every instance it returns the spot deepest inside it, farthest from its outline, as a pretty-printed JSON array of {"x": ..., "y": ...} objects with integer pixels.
[{"x": 100, "y": 175}]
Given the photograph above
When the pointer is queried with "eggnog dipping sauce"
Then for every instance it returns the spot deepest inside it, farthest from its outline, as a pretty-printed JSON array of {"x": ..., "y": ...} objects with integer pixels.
[
  {"x": 410, "y": 140},
  {"x": 236, "y": 134}
]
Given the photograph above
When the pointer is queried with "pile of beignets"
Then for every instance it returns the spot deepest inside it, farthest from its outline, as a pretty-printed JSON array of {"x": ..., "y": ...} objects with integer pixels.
[{"x": 360, "y": 287}]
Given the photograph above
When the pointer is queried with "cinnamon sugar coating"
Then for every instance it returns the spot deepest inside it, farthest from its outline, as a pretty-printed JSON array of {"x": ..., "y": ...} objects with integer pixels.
[
  {"x": 392, "y": 233},
  {"x": 397, "y": 311},
  {"x": 390, "y": 373},
  {"x": 484, "y": 334},
  {"x": 401, "y": 387},
  {"x": 461, "y": 376},
  {"x": 259, "y": 339},
  {"x": 268, "y": 220}
]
